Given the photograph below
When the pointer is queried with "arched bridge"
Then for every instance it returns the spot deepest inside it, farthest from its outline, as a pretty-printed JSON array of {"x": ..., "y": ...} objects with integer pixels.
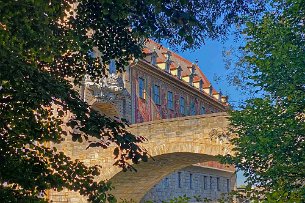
[{"x": 173, "y": 143}]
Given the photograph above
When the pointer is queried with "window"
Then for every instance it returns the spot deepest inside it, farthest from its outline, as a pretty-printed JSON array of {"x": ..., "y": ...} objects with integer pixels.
[
  {"x": 219, "y": 96},
  {"x": 211, "y": 183},
  {"x": 192, "y": 108},
  {"x": 212, "y": 110},
  {"x": 200, "y": 85},
  {"x": 179, "y": 72},
  {"x": 218, "y": 184},
  {"x": 205, "y": 182},
  {"x": 167, "y": 66},
  {"x": 202, "y": 110},
  {"x": 210, "y": 90},
  {"x": 193, "y": 69},
  {"x": 228, "y": 185},
  {"x": 168, "y": 61},
  {"x": 191, "y": 181},
  {"x": 170, "y": 103},
  {"x": 142, "y": 88},
  {"x": 154, "y": 58},
  {"x": 191, "y": 79},
  {"x": 168, "y": 55},
  {"x": 156, "y": 91},
  {"x": 166, "y": 183},
  {"x": 182, "y": 105},
  {"x": 179, "y": 179}
]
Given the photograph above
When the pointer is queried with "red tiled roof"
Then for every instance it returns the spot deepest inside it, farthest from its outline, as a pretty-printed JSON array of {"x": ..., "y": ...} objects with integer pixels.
[
  {"x": 160, "y": 60},
  {"x": 184, "y": 63},
  {"x": 173, "y": 67},
  {"x": 197, "y": 78},
  {"x": 206, "y": 85},
  {"x": 146, "y": 51},
  {"x": 214, "y": 92},
  {"x": 185, "y": 74}
]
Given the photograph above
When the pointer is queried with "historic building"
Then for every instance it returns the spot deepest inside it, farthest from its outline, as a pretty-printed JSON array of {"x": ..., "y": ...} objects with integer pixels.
[{"x": 162, "y": 86}]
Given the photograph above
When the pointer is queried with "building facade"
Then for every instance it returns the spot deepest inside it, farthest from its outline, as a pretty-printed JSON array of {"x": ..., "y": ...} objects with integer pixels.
[
  {"x": 164, "y": 85},
  {"x": 199, "y": 182}
]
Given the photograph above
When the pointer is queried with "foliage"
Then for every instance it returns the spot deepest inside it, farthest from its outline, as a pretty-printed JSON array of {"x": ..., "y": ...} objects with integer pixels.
[
  {"x": 271, "y": 128},
  {"x": 44, "y": 45},
  {"x": 180, "y": 199},
  {"x": 186, "y": 199},
  {"x": 127, "y": 201}
]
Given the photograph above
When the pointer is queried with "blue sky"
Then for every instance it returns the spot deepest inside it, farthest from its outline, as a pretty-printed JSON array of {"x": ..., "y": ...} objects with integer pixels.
[{"x": 211, "y": 61}]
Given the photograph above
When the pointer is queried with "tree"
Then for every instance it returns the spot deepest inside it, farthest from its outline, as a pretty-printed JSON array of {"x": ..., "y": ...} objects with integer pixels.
[
  {"x": 44, "y": 46},
  {"x": 270, "y": 128}
]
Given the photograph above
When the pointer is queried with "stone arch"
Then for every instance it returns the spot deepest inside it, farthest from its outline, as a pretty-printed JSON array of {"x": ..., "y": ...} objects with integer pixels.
[
  {"x": 107, "y": 109},
  {"x": 134, "y": 185},
  {"x": 173, "y": 143}
]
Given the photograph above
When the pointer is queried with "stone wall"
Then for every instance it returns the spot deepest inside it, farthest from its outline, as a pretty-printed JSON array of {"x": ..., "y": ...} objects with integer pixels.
[{"x": 194, "y": 181}]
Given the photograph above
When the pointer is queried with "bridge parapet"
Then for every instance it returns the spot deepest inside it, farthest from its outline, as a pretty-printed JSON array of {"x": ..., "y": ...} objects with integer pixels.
[
  {"x": 197, "y": 134},
  {"x": 174, "y": 144}
]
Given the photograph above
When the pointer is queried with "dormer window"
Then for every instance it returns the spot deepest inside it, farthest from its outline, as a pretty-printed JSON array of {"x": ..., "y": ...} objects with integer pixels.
[
  {"x": 154, "y": 56},
  {"x": 168, "y": 55},
  {"x": 168, "y": 61},
  {"x": 191, "y": 79},
  {"x": 167, "y": 66},
  {"x": 210, "y": 90},
  {"x": 220, "y": 95},
  {"x": 193, "y": 69},
  {"x": 200, "y": 85},
  {"x": 179, "y": 72}
]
